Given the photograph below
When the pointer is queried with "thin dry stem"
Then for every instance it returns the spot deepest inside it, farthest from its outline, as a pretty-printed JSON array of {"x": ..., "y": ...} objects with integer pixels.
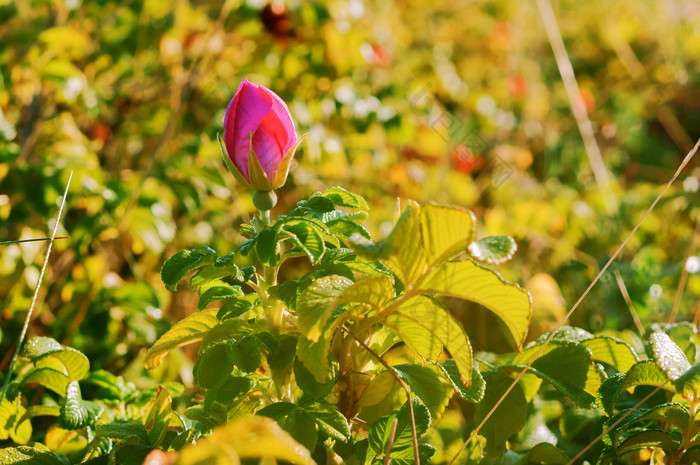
[
  {"x": 578, "y": 107},
  {"x": 628, "y": 301},
  {"x": 390, "y": 442},
  {"x": 564, "y": 320},
  {"x": 684, "y": 274},
  {"x": 25, "y": 327}
]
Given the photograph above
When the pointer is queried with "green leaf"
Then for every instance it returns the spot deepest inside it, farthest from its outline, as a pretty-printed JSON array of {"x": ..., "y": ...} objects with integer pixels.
[
  {"x": 342, "y": 198},
  {"x": 283, "y": 355},
  {"x": 213, "y": 273},
  {"x": 667, "y": 355},
  {"x": 475, "y": 392},
  {"x": 213, "y": 366},
  {"x": 188, "y": 330},
  {"x": 425, "y": 326},
  {"x": 314, "y": 355},
  {"x": 650, "y": 439},
  {"x": 180, "y": 264},
  {"x": 236, "y": 307},
  {"x": 25, "y": 455},
  {"x": 425, "y": 384},
  {"x": 376, "y": 291},
  {"x": 308, "y": 384},
  {"x": 123, "y": 430},
  {"x": 493, "y": 250},
  {"x": 75, "y": 412},
  {"x": 316, "y": 302},
  {"x": 346, "y": 228},
  {"x": 547, "y": 453},
  {"x": 644, "y": 373},
  {"x": 507, "y": 419},
  {"x": 380, "y": 431},
  {"x": 246, "y": 353},
  {"x": 156, "y": 418},
  {"x": 468, "y": 280},
  {"x": 612, "y": 351},
  {"x": 49, "y": 378},
  {"x": 37, "y": 347},
  {"x": 293, "y": 420},
  {"x": 688, "y": 384},
  {"x": 251, "y": 437},
  {"x": 307, "y": 238},
  {"x": 328, "y": 419},
  {"x": 567, "y": 366},
  {"x": 266, "y": 246},
  {"x": 219, "y": 292}
]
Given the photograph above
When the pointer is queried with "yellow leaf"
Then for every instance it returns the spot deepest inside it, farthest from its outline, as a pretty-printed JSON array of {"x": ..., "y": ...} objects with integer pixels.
[{"x": 190, "y": 329}]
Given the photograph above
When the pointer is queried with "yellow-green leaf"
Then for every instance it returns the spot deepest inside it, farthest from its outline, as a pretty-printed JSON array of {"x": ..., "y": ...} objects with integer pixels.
[
  {"x": 439, "y": 329},
  {"x": 468, "y": 280},
  {"x": 445, "y": 230},
  {"x": 251, "y": 437},
  {"x": 376, "y": 291},
  {"x": 190, "y": 329},
  {"x": 157, "y": 416},
  {"x": 316, "y": 303}
]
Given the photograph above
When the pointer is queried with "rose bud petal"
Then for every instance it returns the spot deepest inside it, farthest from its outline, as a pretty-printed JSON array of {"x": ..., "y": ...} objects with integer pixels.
[{"x": 259, "y": 137}]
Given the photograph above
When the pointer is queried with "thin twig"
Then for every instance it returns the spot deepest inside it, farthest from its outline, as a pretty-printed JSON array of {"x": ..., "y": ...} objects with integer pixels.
[
  {"x": 36, "y": 292},
  {"x": 564, "y": 320},
  {"x": 406, "y": 388},
  {"x": 617, "y": 422},
  {"x": 390, "y": 442},
  {"x": 628, "y": 301},
  {"x": 684, "y": 273},
  {"x": 578, "y": 107},
  {"x": 33, "y": 240}
]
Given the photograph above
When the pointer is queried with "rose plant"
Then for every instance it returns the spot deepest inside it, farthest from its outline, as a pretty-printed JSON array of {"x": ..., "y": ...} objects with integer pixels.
[{"x": 356, "y": 355}]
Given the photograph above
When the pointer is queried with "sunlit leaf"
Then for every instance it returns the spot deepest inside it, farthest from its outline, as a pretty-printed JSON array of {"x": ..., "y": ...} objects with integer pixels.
[
  {"x": 668, "y": 356},
  {"x": 190, "y": 329},
  {"x": 425, "y": 326},
  {"x": 467, "y": 280},
  {"x": 156, "y": 418},
  {"x": 252, "y": 437},
  {"x": 316, "y": 303},
  {"x": 183, "y": 262}
]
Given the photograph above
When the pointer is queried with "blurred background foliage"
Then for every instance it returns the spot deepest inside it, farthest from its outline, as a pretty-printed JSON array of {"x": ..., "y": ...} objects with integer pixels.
[{"x": 456, "y": 102}]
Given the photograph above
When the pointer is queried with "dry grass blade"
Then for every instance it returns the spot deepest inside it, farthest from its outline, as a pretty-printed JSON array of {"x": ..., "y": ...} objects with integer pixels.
[
  {"x": 19, "y": 241},
  {"x": 628, "y": 301},
  {"x": 25, "y": 327},
  {"x": 578, "y": 107},
  {"x": 684, "y": 274},
  {"x": 564, "y": 320}
]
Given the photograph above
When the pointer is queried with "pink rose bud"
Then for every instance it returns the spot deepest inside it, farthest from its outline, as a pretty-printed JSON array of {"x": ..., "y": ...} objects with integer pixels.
[{"x": 259, "y": 137}]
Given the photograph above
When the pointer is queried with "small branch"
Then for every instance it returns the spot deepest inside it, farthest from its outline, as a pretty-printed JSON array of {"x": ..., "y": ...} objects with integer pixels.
[
  {"x": 390, "y": 443},
  {"x": 405, "y": 387},
  {"x": 36, "y": 292},
  {"x": 684, "y": 273},
  {"x": 628, "y": 301}
]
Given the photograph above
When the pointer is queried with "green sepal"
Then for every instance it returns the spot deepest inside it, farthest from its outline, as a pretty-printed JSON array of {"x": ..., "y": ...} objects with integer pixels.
[
  {"x": 283, "y": 168},
  {"x": 229, "y": 164},
  {"x": 256, "y": 174}
]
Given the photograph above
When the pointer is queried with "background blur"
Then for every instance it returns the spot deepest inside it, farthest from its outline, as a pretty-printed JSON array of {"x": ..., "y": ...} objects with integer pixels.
[{"x": 456, "y": 102}]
